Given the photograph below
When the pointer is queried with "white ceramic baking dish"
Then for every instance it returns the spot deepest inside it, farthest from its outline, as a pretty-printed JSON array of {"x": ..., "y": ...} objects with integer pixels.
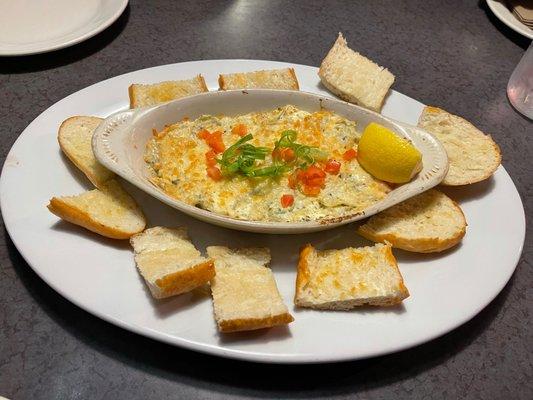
[{"x": 119, "y": 144}]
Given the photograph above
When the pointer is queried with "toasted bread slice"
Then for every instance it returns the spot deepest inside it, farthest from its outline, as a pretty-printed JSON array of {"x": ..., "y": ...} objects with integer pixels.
[
  {"x": 157, "y": 93},
  {"x": 109, "y": 211},
  {"x": 75, "y": 137},
  {"x": 427, "y": 223},
  {"x": 284, "y": 78},
  {"x": 353, "y": 77},
  {"x": 347, "y": 278},
  {"x": 473, "y": 156},
  {"x": 169, "y": 262},
  {"x": 245, "y": 295}
]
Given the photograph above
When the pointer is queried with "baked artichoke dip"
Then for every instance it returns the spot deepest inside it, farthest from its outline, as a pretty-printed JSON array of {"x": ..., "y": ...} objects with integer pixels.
[{"x": 284, "y": 165}]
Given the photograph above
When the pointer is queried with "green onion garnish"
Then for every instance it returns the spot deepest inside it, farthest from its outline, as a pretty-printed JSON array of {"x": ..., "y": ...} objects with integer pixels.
[
  {"x": 241, "y": 157},
  {"x": 308, "y": 155}
]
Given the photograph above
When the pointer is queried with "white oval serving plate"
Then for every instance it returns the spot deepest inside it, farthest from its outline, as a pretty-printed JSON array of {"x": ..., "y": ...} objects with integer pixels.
[
  {"x": 119, "y": 144},
  {"x": 99, "y": 274}
]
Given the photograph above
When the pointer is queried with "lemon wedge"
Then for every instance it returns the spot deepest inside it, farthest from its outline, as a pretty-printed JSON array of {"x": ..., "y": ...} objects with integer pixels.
[{"x": 387, "y": 156}]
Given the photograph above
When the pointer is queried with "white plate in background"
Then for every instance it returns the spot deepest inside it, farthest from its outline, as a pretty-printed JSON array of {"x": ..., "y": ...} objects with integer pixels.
[
  {"x": 99, "y": 274},
  {"x": 506, "y": 16},
  {"x": 37, "y": 26}
]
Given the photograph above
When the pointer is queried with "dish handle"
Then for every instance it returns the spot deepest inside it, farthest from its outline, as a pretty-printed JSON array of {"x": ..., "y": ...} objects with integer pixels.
[{"x": 108, "y": 142}]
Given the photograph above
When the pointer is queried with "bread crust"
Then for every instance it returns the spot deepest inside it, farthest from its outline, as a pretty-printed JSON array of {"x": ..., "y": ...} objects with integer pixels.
[
  {"x": 296, "y": 85},
  {"x": 64, "y": 148},
  {"x": 76, "y": 216},
  {"x": 291, "y": 85},
  {"x": 249, "y": 324},
  {"x": 302, "y": 279},
  {"x": 328, "y": 73},
  {"x": 339, "y": 93},
  {"x": 273, "y": 311},
  {"x": 136, "y": 102},
  {"x": 348, "y": 305},
  {"x": 132, "y": 96},
  {"x": 450, "y": 182},
  {"x": 302, "y": 272},
  {"x": 221, "y": 83},
  {"x": 201, "y": 82},
  {"x": 185, "y": 280},
  {"x": 423, "y": 245},
  {"x": 419, "y": 245},
  {"x": 461, "y": 181}
]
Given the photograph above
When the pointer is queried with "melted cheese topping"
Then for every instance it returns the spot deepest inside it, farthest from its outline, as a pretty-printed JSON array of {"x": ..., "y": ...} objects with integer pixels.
[{"x": 177, "y": 157}]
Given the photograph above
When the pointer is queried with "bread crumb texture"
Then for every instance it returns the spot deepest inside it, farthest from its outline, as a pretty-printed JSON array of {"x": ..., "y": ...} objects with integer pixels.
[
  {"x": 75, "y": 140},
  {"x": 353, "y": 77},
  {"x": 245, "y": 295},
  {"x": 109, "y": 211},
  {"x": 152, "y": 94},
  {"x": 429, "y": 222},
  {"x": 169, "y": 262},
  {"x": 472, "y": 155},
  {"x": 347, "y": 278},
  {"x": 284, "y": 78}
]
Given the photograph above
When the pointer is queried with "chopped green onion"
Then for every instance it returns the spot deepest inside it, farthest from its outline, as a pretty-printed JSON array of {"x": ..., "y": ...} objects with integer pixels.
[
  {"x": 241, "y": 157},
  {"x": 271, "y": 170},
  {"x": 307, "y": 154}
]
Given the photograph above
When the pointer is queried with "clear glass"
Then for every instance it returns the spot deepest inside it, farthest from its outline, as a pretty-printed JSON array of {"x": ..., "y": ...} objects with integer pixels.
[{"x": 520, "y": 86}]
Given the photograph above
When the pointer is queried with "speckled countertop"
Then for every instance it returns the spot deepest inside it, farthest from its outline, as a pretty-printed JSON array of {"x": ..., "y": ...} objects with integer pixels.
[{"x": 453, "y": 54}]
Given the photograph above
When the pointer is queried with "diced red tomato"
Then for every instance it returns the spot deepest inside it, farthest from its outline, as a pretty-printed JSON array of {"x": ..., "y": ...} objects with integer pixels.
[
  {"x": 214, "y": 173},
  {"x": 213, "y": 140},
  {"x": 318, "y": 181},
  {"x": 204, "y": 134},
  {"x": 311, "y": 190},
  {"x": 349, "y": 154},
  {"x": 311, "y": 180},
  {"x": 292, "y": 181},
  {"x": 239, "y": 129},
  {"x": 287, "y": 200},
  {"x": 332, "y": 167},
  {"x": 314, "y": 171},
  {"x": 314, "y": 176},
  {"x": 211, "y": 158},
  {"x": 300, "y": 175},
  {"x": 216, "y": 143},
  {"x": 287, "y": 154}
]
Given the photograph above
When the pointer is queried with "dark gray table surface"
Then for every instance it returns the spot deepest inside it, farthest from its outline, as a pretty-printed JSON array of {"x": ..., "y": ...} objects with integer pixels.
[{"x": 453, "y": 54}]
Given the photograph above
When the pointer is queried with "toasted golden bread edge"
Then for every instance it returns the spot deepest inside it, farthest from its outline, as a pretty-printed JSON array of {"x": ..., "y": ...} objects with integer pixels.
[
  {"x": 302, "y": 278},
  {"x": 77, "y": 217},
  {"x": 302, "y": 272},
  {"x": 430, "y": 245},
  {"x": 184, "y": 281},
  {"x": 249, "y": 324},
  {"x": 404, "y": 292},
  {"x": 482, "y": 178},
  {"x": 201, "y": 82},
  {"x": 132, "y": 96},
  {"x": 296, "y": 85},
  {"x": 221, "y": 82},
  {"x": 63, "y": 147},
  {"x": 497, "y": 150}
]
